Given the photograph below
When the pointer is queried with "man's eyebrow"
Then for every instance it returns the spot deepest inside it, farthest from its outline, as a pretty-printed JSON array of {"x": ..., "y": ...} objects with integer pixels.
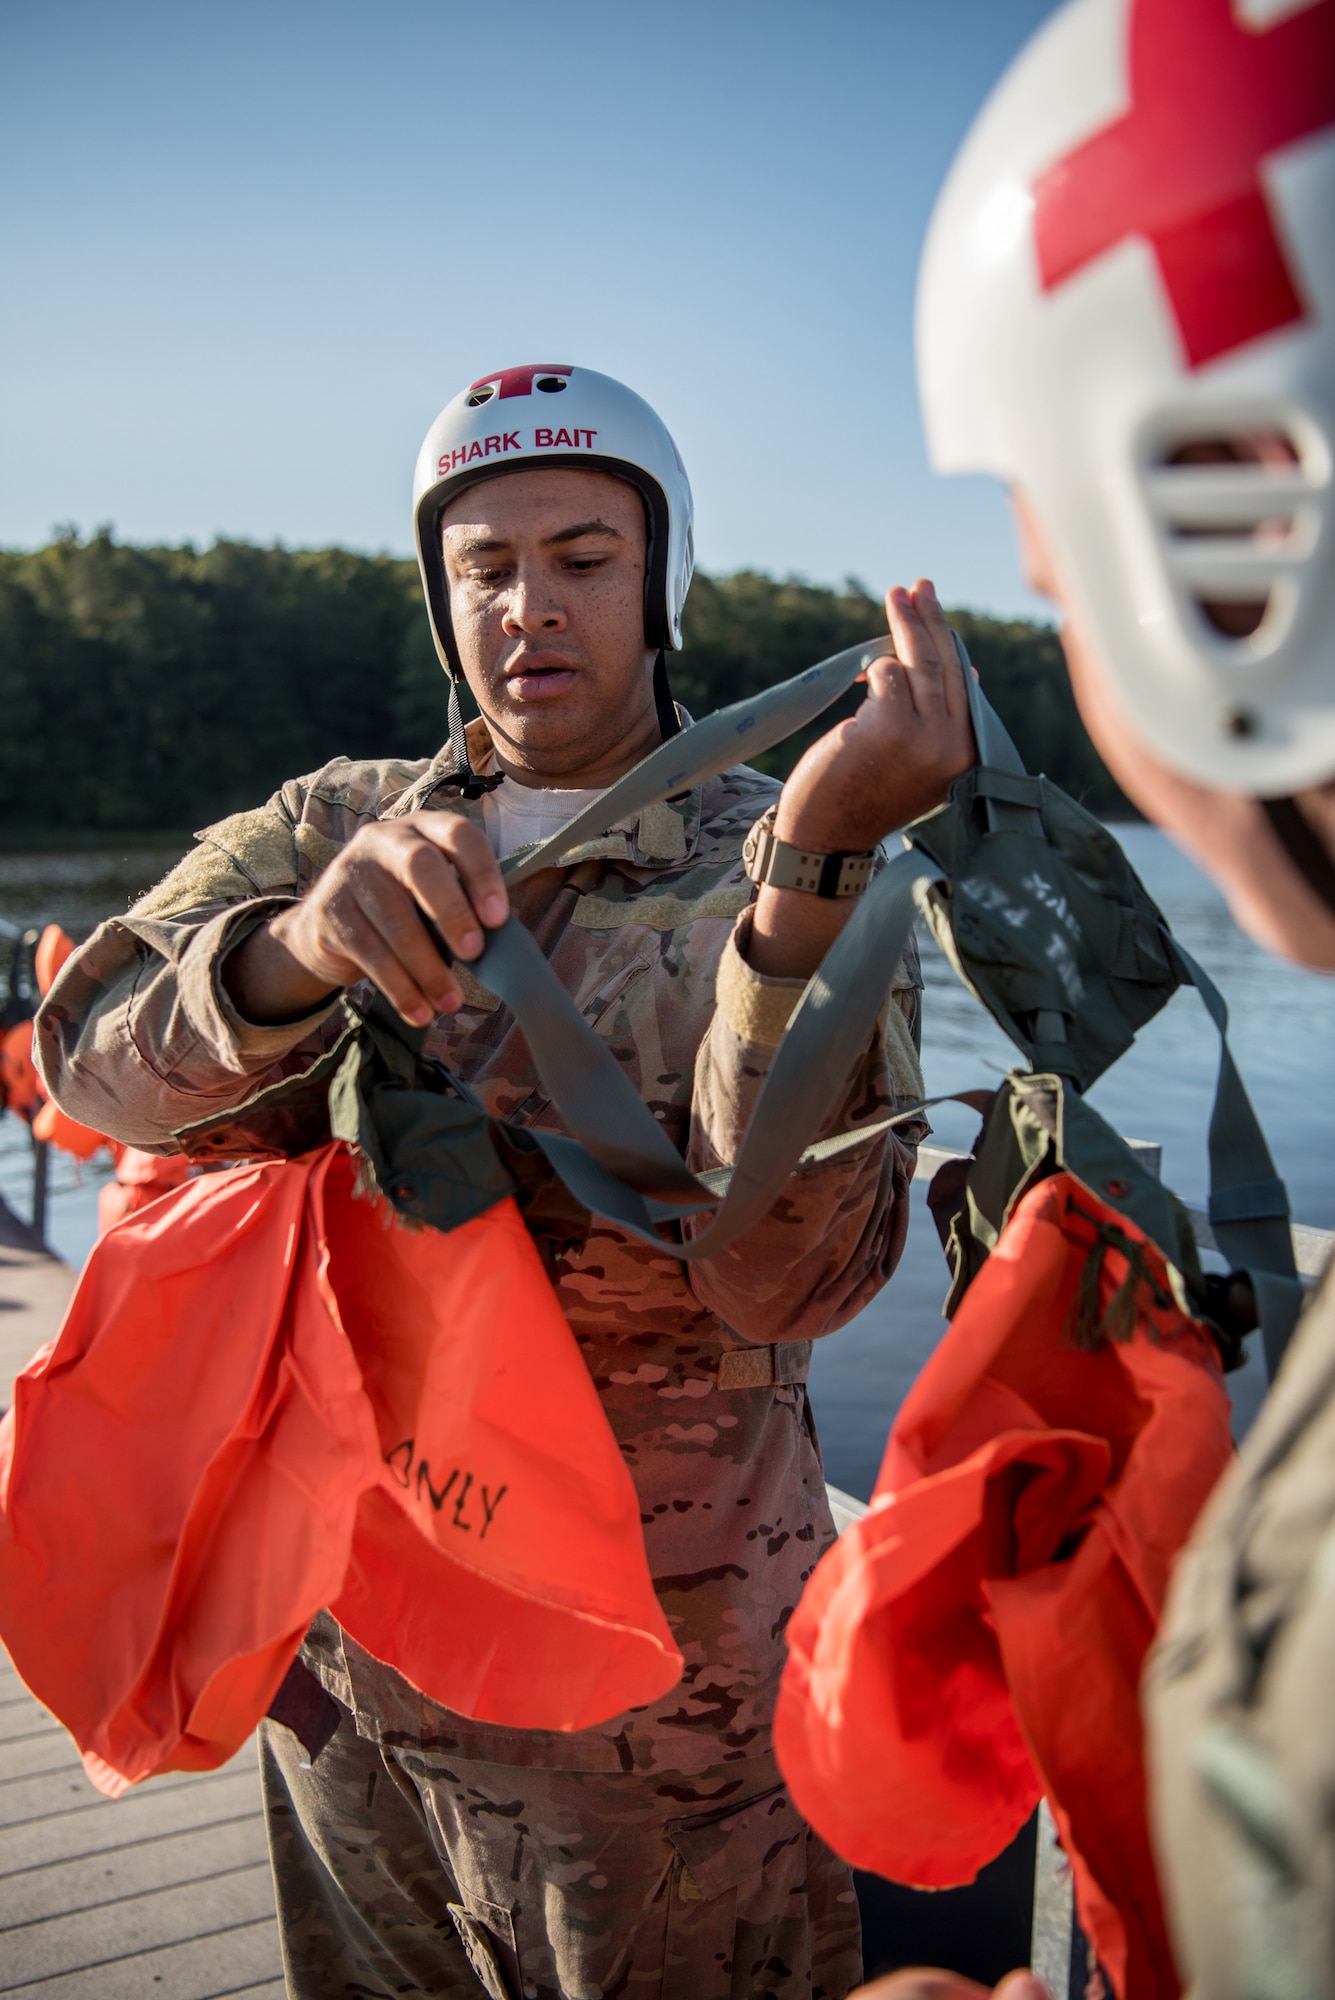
[
  {"x": 487, "y": 545},
  {"x": 584, "y": 528}
]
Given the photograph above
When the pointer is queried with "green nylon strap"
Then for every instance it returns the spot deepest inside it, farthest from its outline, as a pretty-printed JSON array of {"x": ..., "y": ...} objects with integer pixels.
[
  {"x": 703, "y": 750},
  {"x": 640, "y": 1178},
  {"x": 621, "y": 1163},
  {"x": 1248, "y": 1204},
  {"x": 636, "y": 1174}
]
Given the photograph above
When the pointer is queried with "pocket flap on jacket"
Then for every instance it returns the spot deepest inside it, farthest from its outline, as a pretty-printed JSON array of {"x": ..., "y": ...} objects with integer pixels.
[{"x": 724, "y": 1848}]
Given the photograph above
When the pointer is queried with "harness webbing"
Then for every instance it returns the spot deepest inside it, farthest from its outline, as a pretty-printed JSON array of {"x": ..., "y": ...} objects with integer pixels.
[
  {"x": 622, "y": 1164},
  {"x": 1040, "y": 915}
]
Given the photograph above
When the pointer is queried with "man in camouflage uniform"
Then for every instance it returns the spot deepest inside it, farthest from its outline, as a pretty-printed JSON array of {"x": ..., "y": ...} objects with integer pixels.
[{"x": 658, "y": 1854}]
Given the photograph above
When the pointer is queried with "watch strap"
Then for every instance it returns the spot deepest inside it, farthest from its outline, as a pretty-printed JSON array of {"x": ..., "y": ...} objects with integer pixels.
[{"x": 784, "y": 866}]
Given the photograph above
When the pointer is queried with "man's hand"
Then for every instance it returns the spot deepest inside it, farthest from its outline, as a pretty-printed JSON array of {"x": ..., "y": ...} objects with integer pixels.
[
  {"x": 888, "y": 764},
  {"x": 363, "y": 920},
  {"x": 922, "y": 1984},
  {"x": 897, "y": 757}
]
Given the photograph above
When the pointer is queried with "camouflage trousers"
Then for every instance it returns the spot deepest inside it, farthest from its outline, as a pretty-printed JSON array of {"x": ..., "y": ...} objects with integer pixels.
[{"x": 403, "y": 1873}]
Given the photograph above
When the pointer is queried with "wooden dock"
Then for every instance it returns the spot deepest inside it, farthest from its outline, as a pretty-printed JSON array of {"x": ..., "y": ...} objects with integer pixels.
[{"x": 164, "y": 1892}]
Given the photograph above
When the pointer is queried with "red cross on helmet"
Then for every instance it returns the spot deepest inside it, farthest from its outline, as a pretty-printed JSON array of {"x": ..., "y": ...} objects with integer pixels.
[
  {"x": 1126, "y": 308},
  {"x": 555, "y": 414}
]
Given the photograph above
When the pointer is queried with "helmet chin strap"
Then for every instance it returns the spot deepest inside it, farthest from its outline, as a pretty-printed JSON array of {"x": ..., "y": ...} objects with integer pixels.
[
  {"x": 666, "y": 708},
  {"x": 471, "y": 786},
  {"x": 1304, "y": 848}
]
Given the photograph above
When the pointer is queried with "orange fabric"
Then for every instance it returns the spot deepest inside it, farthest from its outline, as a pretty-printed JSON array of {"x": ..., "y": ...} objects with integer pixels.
[
  {"x": 53, "y": 948},
  {"x": 50, "y": 1123},
  {"x": 977, "y": 1639},
  {"x": 20, "y": 1085},
  {"x": 268, "y": 1396},
  {"x": 21, "y": 1088},
  {"x": 140, "y": 1179}
]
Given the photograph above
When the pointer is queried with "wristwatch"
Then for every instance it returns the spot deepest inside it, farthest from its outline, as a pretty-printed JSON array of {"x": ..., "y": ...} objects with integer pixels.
[{"x": 768, "y": 859}]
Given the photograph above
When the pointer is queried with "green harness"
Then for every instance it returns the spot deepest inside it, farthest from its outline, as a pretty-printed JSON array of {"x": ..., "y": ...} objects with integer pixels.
[{"x": 1039, "y": 913}]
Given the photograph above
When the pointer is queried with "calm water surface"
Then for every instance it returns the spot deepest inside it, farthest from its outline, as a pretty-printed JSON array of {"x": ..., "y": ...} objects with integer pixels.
[{"x": 1282, "y": 1034}]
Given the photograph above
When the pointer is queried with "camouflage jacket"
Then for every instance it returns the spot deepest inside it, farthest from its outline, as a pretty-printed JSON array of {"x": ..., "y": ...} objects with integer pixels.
[
  {"x": 700, "y": 1367},
  {"x": 1237, "y": 1694}
]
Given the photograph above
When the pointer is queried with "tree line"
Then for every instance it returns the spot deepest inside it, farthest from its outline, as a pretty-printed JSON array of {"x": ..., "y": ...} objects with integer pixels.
[{"x": 155, "y": 689}]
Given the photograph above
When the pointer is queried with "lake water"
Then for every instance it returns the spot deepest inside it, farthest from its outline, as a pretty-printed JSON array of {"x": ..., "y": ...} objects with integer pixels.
[{"x": 1282, "y": 1035}]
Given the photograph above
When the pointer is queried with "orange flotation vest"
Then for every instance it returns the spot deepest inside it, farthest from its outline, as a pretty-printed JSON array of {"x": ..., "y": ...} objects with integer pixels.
[
  {"x": 54, "y": 946},
  {"x": 21, "y": 1088},
  {"x": 58, "y": 1129},
  {"x": 20, "y": 1085},
  {"x": 140, "y": 1178},
  {"x": 977, "y": 1640},
  {"x": 269, "y": 1396}
]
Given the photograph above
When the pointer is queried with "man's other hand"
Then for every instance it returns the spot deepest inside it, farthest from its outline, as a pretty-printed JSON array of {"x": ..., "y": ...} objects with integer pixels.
[
  {"x": 923, "y": 1984},
  {"x": 364, "y": 920},
  {"x": 897, "y": 757}
]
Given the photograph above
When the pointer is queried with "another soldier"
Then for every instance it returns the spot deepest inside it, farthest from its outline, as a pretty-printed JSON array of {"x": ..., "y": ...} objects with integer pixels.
[
  {"x": 424, "y": 1851},
  {"x": 1126, "y": 313}
]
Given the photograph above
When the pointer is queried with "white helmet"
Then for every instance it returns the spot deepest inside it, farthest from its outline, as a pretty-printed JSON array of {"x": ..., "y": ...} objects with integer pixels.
[
  {"x": 1131, "y": 263},
  {"x": 554, "y": 415}
]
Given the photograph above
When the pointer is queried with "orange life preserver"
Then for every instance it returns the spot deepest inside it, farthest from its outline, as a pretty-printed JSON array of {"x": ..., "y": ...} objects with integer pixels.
[
  {"x": 269, "y": 1396},
  {"x": 977, "y": 1639},
  {"x": 54, "y": 946},
  {"x": 21, "y": 1089},
  {"x": 53, "y": 1125},
  {"x": 140, "y": 1178},
  {"x": 20, "y": 1085}
]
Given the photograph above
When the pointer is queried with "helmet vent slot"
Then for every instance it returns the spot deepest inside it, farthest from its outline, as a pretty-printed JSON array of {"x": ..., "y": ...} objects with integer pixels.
[{"x": 1237, "y": 515}]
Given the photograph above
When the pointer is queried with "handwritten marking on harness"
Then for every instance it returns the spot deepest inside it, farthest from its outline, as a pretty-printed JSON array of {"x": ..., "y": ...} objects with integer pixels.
[
  {"x": 1052, "y": 899},
  {"x": 991, "y": 897},
  {"x": 1060, "y": 955},
  {"x": 400, "y": 1462}
]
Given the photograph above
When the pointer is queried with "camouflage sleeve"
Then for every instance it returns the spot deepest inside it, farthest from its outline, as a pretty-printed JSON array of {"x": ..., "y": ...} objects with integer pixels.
[
  {"x": 836, "y": 1234},
  {"x": 138, "y": 1036}
]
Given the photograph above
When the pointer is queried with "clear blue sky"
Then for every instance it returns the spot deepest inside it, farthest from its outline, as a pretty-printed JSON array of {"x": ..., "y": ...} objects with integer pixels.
[{"x": 250, "y": 249}]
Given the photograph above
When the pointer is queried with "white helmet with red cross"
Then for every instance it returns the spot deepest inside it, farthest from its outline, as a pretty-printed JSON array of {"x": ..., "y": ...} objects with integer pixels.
[
  {"x": 1126, "y": 309},
  {"x": 556, "y": 415}
]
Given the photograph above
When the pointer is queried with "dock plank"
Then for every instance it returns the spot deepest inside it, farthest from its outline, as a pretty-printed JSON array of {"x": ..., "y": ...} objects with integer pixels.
[
  {"x": 35, "y": 1753},
  {"x": 223, "y": 1901},
  {"x": 165, "y": 1860},
  {"x": 90, "y": 1825},
  {"x": 217, "y": 1965},
  {"x": 166, "y": 1891},
  {"x": 21, "y": 1717}
]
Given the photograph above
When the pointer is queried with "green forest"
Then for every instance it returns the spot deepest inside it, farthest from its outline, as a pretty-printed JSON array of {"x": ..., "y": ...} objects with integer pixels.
[{"x": 155, "y": 689}]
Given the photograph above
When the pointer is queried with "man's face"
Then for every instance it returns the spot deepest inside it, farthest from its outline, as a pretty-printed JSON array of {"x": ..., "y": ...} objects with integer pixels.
[
  {"x": 546, "y": 578},
  {"x": 1227, "y": 833}
]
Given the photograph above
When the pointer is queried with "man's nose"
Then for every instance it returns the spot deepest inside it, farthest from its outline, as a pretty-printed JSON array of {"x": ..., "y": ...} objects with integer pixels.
[{"x": 531, "y": 609}]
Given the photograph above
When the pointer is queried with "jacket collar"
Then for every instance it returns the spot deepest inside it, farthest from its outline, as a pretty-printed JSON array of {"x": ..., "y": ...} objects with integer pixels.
[{"x": 657, "y": 837}]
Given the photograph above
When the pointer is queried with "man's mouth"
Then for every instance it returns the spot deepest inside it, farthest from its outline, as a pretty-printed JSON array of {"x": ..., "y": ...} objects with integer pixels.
[{"x": 538, "y": 676}]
